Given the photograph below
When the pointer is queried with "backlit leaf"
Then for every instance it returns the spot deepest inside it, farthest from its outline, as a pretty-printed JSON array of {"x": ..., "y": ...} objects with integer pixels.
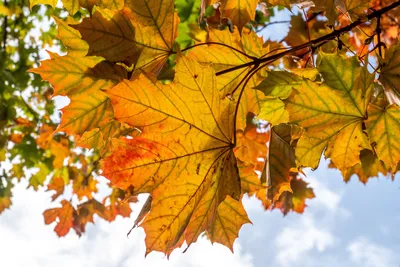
[
  {"x": 226, "y": 225},
  {"x": 182, "y": 152},
  {"x": 273, "y": 111},
  {"x": 63, "y": 216},
  {"x": 383, "y": 127},
  {"x": 72, "y": 39},
  {"x": 52, "y": 3},
  {"x": 57, "y": 184},
  {"x": 341, "y": 110},
  {"x": 71, "y": 5},
  {"x": 156, "y": 25},
  {"x": 369, "y": 167},
  {"x": 67, "y": 75},
  {"x": 223, "y": 57},
  {"x": 110, "y": 35},
  {"x": 239, "y": 12},
  {"x": 295, "y": 201},
  {"x": 390, "y": 72},
  {"x": 109, "y": 4},
  {"x": 88, "y": 110},
  {"x": 279, "y": 84},
  {"x": 280, "y": 165}
]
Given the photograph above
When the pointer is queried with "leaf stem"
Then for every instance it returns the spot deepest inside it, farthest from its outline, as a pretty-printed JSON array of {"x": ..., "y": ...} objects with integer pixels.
[{"x": 315, "y": 42}]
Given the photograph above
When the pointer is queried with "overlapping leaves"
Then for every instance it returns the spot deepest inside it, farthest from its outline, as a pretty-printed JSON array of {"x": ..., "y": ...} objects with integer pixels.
[
  {"x": 184, "y": 155},
  {"x": 192, "y": 141}
]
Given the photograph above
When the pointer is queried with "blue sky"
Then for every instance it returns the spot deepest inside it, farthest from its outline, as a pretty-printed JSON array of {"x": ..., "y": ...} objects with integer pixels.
[{"x": 345, "y": 225}]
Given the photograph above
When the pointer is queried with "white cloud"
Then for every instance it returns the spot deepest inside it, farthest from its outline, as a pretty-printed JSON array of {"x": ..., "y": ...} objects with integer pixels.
[
  {"x": 293, "y": 242},
  {"x": 312, "y": 233},
  {"x": 329, "y": 199},
  {"x": 365, "y": 253},
  {"x": 27, "y": 241}
]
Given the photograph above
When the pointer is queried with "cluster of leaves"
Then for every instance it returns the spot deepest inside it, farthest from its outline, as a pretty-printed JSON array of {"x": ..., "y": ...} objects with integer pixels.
[
  {"x": 183, "y": 101},
  {"x": 29, "y": 149}
]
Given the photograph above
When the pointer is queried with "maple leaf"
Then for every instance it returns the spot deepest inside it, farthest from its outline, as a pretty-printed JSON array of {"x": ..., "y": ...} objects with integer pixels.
[
  {"x": 84, "y": 214},
  {"x": 229, "y": 219},
  {"x": 295, "y": 201},
  {"x": 78, "y": 81},
  {"x": 389, "y": 75},
  {"x": 234, "y": 50},
  {"x": 239, "y": 12},
  {"x": 83, "y": 185},
  {"x": 156, "y": 25},
  {"x": 68, "y": 77},
  {"x": 383, "y": 127},
  {"x": 52, "y": 3},
  {"x": 63, "y": 215},
  {"x": 108, "y": 4},
  {"x": 118, "y": 205},
  {"x": 353, "y": 9},
  {"x": 60, "y": 151},
  {"x": 88, "y": 110},
  {"x": 71, "y": 38},
  {"x": 280, "y": 164},
  {"x": 334, "y": 120},
  {"x": 5, "y": 194},
  {"x": 39, "y": 177},
  {"x": 285, "y": 3},
  {"x": 279, "y": 84},
  {"x": 101, "y": 138},
  {"x": 249, "y": 180},
  {"x": 370, "y": 166},
  {"x": 251, "y": 143},
  {"x": 110, "y": 35},
  {"x": 57, "y": 184},
  {"x": 184, "y": 153}
]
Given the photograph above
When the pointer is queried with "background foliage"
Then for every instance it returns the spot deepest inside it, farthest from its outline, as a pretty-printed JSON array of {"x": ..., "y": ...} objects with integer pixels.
[{"x": 184, "y": 101}]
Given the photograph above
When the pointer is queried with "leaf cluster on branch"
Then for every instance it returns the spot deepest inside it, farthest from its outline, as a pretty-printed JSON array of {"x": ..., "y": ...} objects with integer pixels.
[{"x": 182, "y": 100}]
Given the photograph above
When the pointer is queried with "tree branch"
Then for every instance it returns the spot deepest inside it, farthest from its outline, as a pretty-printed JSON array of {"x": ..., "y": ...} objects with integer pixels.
[{"x": 315, "y": 42}]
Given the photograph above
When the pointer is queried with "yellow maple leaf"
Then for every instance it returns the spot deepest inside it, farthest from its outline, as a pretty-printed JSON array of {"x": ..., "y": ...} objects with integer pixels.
[
  {"x": 156, "y": 25},
  {"x": 184, "y": 154},
  {"x": 108, "y": 4},
  {"x": 110, "y": 34},
  {"x": 72, "y": 39},
  {"x": 88, "y": 110},
  {"x": 239, "y": 12},
  {"x": 334, "y": 120},
  {"x": 390, "y": 71},
  {"x": 369, "y": 167},
  {"x": 383, "y": 129},
  {"x": 226, "y": 225},
  {"x": 234, "y": 50}
]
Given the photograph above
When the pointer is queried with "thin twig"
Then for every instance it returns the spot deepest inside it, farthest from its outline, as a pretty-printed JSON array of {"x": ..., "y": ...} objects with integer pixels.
[{"x": 272, "y": 23}]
